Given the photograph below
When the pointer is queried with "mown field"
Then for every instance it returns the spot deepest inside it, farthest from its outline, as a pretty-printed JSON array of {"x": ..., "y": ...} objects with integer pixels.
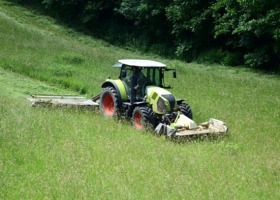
[{"x": 50, "y": 153}]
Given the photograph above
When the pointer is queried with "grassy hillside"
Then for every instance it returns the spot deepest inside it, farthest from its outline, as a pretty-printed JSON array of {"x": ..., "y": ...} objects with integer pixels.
[{"x": 65, "y": 154}]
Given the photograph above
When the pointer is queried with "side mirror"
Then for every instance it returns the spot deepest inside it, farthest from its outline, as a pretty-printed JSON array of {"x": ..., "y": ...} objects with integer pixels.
[
  {"x": 123, "y": 73},
  {"x": 174, "y": 74}
]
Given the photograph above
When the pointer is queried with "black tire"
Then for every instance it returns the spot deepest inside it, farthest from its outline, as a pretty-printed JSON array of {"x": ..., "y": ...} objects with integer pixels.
[
  {"x": 186, "y": 110},
  {"x": 109, "y": 104},
  {"x": 143, "y": 118}
]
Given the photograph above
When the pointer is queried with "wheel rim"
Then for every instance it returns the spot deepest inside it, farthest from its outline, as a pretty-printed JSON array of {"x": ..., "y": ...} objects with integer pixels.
[
  {"x": 138, "y": 121},
  {"x": 108, "y": 105}
]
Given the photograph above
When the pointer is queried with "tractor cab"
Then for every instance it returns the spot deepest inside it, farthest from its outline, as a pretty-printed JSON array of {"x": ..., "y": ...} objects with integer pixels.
[{"x": 136, "y": 75}]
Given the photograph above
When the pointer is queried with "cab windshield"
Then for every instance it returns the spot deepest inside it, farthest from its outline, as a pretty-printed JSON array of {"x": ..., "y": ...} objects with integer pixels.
[
  {"x": 143, "y": 77},
  {"x": 153, "y": 75}
]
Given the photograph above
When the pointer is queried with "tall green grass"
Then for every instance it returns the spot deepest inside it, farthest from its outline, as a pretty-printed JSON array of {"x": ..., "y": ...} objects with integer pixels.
[
  {"x": 67, "y": 153},
  {"x": 33, "y": 45}
]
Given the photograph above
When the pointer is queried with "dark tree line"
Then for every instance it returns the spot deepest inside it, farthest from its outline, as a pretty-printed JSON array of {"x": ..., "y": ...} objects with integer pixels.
[{"x": 232, "y": 32}]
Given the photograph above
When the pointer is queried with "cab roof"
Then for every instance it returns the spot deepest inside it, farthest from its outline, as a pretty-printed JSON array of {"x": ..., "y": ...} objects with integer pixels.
[{"x": 139, "y": 63}]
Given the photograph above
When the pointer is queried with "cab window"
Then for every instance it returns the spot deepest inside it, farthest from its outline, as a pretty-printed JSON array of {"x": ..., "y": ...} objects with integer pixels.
[{"x": 127, "y": 79}]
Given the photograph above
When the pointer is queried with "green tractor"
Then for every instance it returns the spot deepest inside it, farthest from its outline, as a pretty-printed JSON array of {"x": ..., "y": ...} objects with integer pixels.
[{"x": 140, "y": 94}]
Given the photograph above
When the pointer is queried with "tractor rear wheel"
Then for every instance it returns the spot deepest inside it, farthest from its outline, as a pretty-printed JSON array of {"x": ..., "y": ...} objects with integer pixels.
[
  {"x": 109, "y": 102},
  {"x": 143, "y": 118},
  {"x": 186, "y": 110}
]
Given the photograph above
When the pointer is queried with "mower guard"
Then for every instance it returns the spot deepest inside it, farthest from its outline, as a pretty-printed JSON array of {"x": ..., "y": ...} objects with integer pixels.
[{"x": 184, "y": 126}]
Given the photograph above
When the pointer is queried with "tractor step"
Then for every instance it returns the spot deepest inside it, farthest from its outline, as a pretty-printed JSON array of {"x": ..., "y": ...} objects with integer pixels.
[{"x": 62, "y": 100}]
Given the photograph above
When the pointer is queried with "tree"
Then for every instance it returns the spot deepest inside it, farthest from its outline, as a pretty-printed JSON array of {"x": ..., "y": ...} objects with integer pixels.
[
  {"x": 191, "y": 25},
  {"x": 148, "y": 18},
  {"x": 253, "y": 27}
]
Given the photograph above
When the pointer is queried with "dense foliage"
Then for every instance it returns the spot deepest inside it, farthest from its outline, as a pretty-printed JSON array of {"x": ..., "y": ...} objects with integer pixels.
[{"x": 231, "y": 32}]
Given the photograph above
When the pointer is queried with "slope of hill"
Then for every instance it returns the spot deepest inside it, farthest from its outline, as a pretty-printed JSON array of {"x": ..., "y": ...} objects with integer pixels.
[{"x": 62, "y": 153}]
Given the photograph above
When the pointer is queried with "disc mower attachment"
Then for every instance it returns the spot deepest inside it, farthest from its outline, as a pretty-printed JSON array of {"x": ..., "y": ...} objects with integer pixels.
[
  {"x": 187, "y": 127},
  {"x": 62, "y": 100}
]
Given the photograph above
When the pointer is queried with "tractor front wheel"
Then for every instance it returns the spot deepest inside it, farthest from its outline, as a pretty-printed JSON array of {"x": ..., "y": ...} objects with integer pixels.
[
  {"x": 143, "y": 118},
  {"x": 186, "y": 110},
  {"x": 109, "y": 102}
]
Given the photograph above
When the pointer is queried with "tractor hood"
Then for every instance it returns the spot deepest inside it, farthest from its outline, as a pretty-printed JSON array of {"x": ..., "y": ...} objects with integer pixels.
[
  {"x": 161, "y": 100},
  {"x": 158, "y": 90}
]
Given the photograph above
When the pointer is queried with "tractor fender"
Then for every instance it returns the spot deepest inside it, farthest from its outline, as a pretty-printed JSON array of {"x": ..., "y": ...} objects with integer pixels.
[
  {"x": 180, "y": 101},
  {"x": 134, "y": 105},
  {"x": 143, "y": 103},
  {"x": 119, "y": 87},
  {"x": 139, "y": 104}
]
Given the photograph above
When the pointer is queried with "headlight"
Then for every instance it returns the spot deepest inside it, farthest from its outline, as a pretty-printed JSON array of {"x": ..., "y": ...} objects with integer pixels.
[{"x": 161, "y": 105}]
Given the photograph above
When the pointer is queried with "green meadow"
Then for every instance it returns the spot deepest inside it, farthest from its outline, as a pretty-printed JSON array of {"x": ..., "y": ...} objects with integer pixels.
[{"x": 62, "y": 153}]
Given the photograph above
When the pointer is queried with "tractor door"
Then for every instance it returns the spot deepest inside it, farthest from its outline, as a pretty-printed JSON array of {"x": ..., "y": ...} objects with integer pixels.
[{"x": 126, "y": 78}]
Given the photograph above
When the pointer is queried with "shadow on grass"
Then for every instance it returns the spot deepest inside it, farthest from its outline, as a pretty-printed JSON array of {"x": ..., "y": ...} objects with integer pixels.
[{"x": 199, "y": 138}]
